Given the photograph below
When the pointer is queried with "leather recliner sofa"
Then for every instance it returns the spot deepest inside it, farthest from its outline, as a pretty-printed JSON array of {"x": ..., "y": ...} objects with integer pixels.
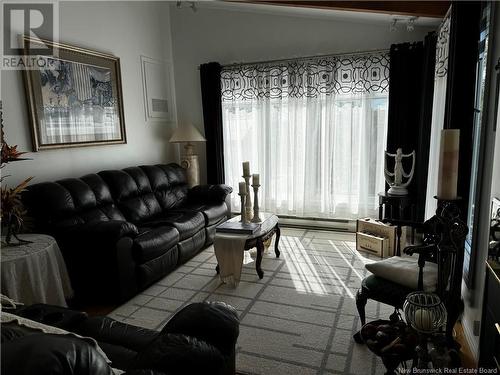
[
  {"x": 199, "y": 339},
  {"x": 121, "y": 230}
]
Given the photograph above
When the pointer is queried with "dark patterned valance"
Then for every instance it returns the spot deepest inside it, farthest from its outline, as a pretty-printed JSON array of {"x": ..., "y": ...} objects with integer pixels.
[{"x": 341, "y": 74}]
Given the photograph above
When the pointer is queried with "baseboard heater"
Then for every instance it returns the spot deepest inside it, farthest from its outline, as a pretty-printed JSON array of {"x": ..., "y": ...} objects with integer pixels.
[{"x": 314, "y": 223}]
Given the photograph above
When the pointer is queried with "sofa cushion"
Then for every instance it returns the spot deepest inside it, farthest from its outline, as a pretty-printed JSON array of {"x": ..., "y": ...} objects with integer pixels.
[
  {"x": 153, "y": 242},
  {"x": 155, "y": 269},
  {"x": 131, "y": 190},
  {"x": 187, "y": 223},
  {"x": 169, "y": 184},
  {"x": 70, "y": 201},
  {"x": 212, "y": 212}
]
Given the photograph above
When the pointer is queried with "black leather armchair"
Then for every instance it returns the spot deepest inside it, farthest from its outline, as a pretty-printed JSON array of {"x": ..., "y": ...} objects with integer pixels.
[
  {"x": 121, "y": 230},
  {"x": 199, "y": 339}
]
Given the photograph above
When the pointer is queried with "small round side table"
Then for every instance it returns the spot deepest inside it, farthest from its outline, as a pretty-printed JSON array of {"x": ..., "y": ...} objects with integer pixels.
[{"x": 35, "y": 272}]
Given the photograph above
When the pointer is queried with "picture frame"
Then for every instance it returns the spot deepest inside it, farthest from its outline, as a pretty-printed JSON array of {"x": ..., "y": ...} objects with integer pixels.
[
  {"x": 495, "y": 208},
  {"x": 74, "y": 97},
  {"x": 157, "y": 89}
]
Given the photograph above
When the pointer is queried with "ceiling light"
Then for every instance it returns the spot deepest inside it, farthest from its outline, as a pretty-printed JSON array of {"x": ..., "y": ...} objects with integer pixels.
[
  {"x": 394, "y": 24},
  {"x": 410, "y": 24},
  {"x": 189, "y": 4}
]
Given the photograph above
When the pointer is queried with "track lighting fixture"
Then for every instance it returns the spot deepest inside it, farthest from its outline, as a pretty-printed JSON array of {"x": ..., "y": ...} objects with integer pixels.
[
  {"x": 189, "y": 4},
  {"x": 410, "y": 24},
  {"x": 394, "y": 24}
]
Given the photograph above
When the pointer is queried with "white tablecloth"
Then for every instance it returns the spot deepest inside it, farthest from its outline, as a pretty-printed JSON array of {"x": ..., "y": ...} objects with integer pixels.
[
  {"x": 230, "y": 249},
  {"x": 35, "y": 272}
]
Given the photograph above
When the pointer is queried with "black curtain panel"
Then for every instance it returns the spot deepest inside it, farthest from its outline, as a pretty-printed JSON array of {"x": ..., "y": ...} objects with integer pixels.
[
  {"x": 411, "y": 88},
  {"x": 460, "y": 92},
  {"x": 211, "y": 95},
  {"x": 425, "y": 124}
]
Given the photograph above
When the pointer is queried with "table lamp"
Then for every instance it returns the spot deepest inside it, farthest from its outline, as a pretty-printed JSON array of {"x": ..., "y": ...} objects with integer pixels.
[{"x": 187, "y": 133}]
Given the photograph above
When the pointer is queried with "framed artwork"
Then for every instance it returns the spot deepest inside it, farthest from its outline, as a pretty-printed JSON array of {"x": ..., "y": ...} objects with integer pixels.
[
  {"x": 74, "y": 98},
  {"x": 495, "y": 208},
  {"x": 157, "y": 86}
]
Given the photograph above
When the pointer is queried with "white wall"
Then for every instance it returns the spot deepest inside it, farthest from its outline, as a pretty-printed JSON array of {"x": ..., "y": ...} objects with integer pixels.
[
  {"x": 124, "y": 29},
  {"x": 228, "y": 36},
  {"x": 491, "y": 187}
]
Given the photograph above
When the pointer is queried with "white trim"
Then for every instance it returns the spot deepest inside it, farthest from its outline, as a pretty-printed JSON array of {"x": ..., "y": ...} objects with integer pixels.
[{"x": 472, "y": 340}]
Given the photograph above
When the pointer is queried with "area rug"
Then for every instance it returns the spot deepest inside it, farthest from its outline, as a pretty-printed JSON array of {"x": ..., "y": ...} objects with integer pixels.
[{"x": 299, "y": 319}]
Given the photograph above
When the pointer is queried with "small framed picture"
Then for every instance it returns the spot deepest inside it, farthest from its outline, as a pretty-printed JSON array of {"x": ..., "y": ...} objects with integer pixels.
[
  {"x": 74, "y": 97},
  {"x": 157, "y": 86}
]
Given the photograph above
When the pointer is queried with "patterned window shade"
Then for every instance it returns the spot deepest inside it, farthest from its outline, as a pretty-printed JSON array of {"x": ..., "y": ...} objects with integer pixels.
[
  {"x": 442, "y": 48},
  {"x": 307, "y": 78}
]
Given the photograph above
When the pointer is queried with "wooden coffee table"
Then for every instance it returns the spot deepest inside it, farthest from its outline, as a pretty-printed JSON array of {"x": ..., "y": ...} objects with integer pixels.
[{"x": 269, "y": 228}]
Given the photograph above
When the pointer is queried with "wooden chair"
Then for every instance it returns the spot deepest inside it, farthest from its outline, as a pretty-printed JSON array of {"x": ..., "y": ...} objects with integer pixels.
[{"x": 443, "y": 243}]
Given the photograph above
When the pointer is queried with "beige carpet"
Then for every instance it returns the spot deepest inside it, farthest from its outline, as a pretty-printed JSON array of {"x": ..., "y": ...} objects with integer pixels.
[{"x": 299, "y": 319}]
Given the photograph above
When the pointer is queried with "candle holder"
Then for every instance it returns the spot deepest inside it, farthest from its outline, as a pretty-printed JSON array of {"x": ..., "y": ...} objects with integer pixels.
[
  {"x": 256, "y": 218},
  {"x": 248, "y": 203},
  {"x": 243, "y": 219},
  {"x": 426, "y": 314}
]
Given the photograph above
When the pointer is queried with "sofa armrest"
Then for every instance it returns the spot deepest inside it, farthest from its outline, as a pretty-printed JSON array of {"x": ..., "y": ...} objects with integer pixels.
[
  {"x": 110, "y": 331},
  {"x": 99, "y": 258},
  {"x": 99, "y": 231},
  {"x": 180, "y": 354},
  {"x": 209, "y": 193},
  {"x": 56, "y": 316},
  {"x": 214, "y": 322},
  {"x": 144, "y": 372}
]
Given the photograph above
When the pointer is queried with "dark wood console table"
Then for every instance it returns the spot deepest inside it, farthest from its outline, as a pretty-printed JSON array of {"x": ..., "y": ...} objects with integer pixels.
[
  {"x": 393, "y": 209},
  {"x": 258, "y": 240}
]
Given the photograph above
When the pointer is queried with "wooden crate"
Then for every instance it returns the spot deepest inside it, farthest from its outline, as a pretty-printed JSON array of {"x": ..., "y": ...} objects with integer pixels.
[
  {"x": 372, "y": 244},
  {"x": 377, "y": 228}
]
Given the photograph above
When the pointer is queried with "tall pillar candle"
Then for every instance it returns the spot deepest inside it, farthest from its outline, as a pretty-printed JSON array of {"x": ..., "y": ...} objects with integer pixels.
[
  {"x": 242, "y": 188},
  {"x": 448, "y": 164},
  {"x": 255, "y": 179},
  {"x": 246, "y": 168}
]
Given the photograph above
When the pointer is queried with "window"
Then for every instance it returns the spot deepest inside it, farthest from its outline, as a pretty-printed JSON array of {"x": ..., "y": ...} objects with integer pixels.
[{"x": 314, "y": 129}]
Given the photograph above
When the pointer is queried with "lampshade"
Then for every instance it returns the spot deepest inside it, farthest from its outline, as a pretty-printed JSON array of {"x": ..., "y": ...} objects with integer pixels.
[{"x": 186, "y": 133}]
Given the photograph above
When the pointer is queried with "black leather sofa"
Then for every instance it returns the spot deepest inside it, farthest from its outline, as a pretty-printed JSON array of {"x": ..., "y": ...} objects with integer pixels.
[
  {"x": 121, "y": 230},
  {"x": 199, "y": 339}
]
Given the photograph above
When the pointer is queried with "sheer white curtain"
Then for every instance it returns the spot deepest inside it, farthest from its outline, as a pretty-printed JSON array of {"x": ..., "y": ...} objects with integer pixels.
[
  {"x": 438, "y": 112},
  {"x": 315, "y": 130}
]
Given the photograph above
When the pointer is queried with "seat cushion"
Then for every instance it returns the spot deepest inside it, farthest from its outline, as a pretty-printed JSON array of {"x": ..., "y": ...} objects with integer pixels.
[
  {"x": 153, "y": 242},
  {"x": 212, "y": 212},
  {"x": 404, "y": 271},
  {"x": 187, "y": 223},
  {"x": 385, "y": 291}
]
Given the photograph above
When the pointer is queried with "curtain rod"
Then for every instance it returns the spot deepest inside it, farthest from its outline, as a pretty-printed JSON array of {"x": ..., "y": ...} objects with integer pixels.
[{"x": 303, "y": 58}]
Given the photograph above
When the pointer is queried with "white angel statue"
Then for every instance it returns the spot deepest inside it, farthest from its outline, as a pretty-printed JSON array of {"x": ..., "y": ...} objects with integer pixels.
[{"x": 395, "y": 180}]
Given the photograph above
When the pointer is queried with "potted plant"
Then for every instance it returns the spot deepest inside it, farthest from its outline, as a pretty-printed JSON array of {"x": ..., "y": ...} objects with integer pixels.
[{"x": 12, "y": 211}]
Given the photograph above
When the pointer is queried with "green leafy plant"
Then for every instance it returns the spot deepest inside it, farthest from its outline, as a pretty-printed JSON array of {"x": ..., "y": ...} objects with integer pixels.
[
  {"x": 12, "y": 212},
  {"x": 12, "y": 209}
]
